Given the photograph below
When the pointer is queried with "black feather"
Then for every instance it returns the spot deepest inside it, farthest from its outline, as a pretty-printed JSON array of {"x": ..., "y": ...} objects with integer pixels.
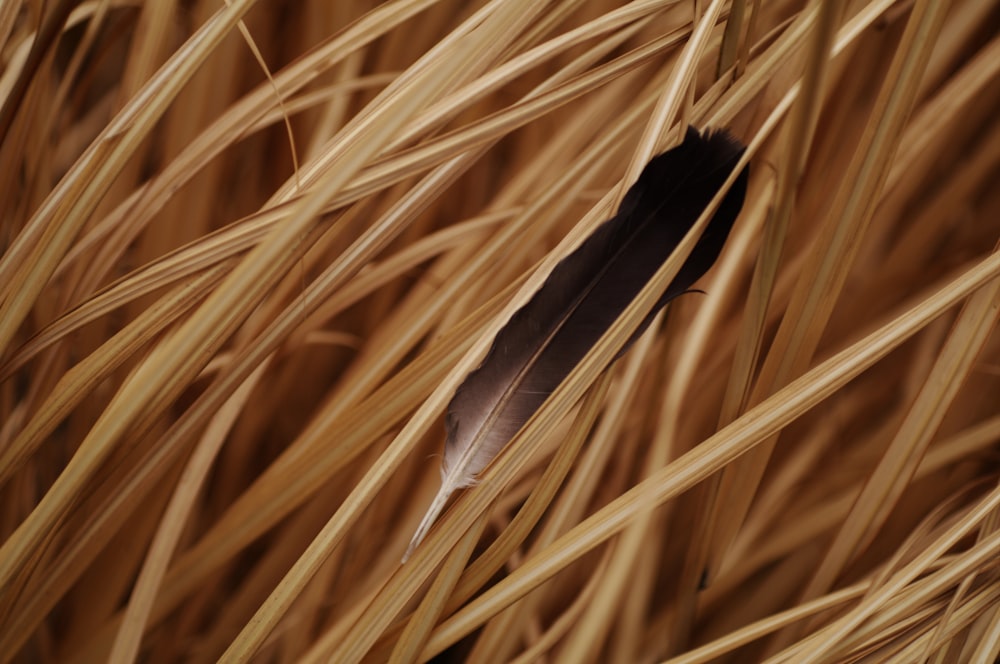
[
  {"x": 591, "y": 287},
  {"x": 585, "y": 294}
]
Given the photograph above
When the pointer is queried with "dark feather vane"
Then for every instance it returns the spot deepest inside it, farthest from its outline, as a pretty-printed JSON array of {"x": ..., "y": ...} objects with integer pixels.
[{"x": 585, "y": 294}]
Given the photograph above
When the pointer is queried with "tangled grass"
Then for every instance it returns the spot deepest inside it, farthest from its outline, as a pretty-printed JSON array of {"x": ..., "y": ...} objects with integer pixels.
[{"x": 250, "y": 249}]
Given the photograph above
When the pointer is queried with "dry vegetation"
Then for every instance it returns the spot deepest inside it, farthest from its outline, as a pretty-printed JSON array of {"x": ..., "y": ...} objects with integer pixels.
[{"x": 250, "y": 249}]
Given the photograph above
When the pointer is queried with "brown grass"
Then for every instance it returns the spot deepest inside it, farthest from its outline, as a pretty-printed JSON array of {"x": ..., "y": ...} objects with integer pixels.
[{"x": 250, "y": 249}]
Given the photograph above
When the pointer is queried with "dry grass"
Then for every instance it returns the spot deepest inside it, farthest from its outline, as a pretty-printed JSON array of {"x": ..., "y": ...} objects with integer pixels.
[{"x": 250, "y": 249}]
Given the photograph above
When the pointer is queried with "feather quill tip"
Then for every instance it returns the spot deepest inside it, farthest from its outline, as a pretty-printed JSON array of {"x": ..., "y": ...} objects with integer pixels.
[{"x": 430, "y": 517}]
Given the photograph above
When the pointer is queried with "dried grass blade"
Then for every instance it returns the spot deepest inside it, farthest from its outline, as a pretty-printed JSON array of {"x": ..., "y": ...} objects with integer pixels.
[
  {"x": 804, "y": 114},
  {"x": 668, "y": 105},
  {"x": 420, "y": 624},
  {"x": 797, "y": 141},
  {"x": 988, "y": 646},
  {"x": 895, "y": 470},
  {"x": 232, "y": 126},
  {"x": 730, "y": 642},
  {"x": 564, "y": 622},
  {"x": 36, "y": 252},
  {"x": 126, "y": 645},
  {"x": 79, "y": 381},
  {"x": 833, "y": 250},
  {"x": 831, "y": 638}
]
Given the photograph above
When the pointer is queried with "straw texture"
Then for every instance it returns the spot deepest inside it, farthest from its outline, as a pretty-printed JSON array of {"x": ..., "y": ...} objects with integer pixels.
[{"x": 250, "y": 250}]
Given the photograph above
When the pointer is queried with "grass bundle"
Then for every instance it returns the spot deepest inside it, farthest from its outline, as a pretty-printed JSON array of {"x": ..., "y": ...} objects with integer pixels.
[{"x": 249, "y": 251}]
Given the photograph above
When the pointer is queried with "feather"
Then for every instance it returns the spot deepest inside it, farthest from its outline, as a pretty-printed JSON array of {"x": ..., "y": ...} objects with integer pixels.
[{"x": 584, "y": 294}]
